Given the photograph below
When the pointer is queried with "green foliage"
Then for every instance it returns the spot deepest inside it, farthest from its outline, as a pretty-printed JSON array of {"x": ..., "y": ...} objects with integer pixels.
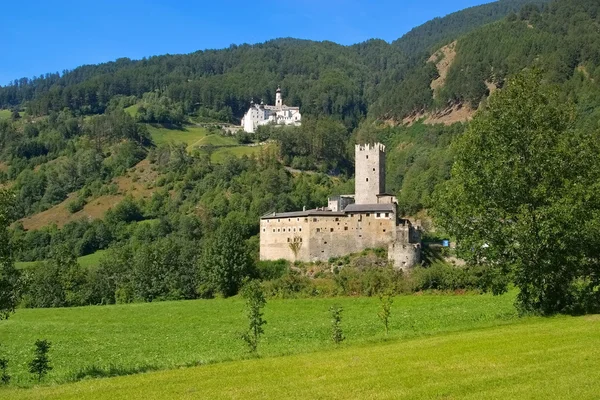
[
  {"x": 226, "y": 260},
  {"x": 9, "y": 275},
  {"x": 40, "y": 365},
  {"x": 4, "y": 376},
  {"x": 523, "y": 195},
  {"x": 336, "y": 324},
  {"x": 385, "y": 310},
  {"x": 77, "y": 204},
  {"x": 59, "y": 282},
  {"x": 254, "y": 296},
  {"x": 155, "y": 108}
]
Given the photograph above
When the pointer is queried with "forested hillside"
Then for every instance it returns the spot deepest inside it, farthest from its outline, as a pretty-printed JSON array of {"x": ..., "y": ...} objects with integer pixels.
[
  {"x": 141, "y": 143},
  {"x": 322, "y": 78}
]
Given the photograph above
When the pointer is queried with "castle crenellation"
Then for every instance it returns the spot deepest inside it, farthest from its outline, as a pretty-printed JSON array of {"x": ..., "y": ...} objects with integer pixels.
[{"x": 349, "y": 224}]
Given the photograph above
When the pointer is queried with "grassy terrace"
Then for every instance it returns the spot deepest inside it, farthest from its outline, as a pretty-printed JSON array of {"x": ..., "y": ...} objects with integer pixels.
[
  {"x": 196, "y": 137},
  {"x": 90, "y": 260},
  {"x": 531, "y": 359},
  {"x": 90, "y": 341}
]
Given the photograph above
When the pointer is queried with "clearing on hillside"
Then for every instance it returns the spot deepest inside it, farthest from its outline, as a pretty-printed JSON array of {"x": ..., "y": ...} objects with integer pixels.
[
  {"x": 139, "y": 183},
  {"x": 443, "y": 59},
  {"x": 550, "y": 358}
]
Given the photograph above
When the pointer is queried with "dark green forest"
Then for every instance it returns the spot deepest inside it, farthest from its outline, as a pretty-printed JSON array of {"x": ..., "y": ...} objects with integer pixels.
[{"x": 73, "y": 133}]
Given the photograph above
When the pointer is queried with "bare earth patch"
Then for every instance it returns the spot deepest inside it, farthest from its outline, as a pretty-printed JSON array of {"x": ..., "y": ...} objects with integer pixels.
[
  {"x": 139, "y": 183},
  {"x": 443, "y": 59},
  {"x": 447, "y": 116}
]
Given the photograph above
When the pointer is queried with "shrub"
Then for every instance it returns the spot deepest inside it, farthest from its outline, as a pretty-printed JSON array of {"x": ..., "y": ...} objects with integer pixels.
[
  {"x": 385, "y": 310},
  {"x": 268, "y": 270},
  {"x": 76, "y": 205},
  {"x": 441, "y": 276},
  {"x": 253, "y": 293},
  {"x": 40, "y": 365},
  {"x": 4, "y": 376},
  {"x": 336, "y": 324}
]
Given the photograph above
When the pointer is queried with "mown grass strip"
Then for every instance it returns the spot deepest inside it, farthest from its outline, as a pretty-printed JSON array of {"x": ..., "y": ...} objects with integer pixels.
[
  {"x": 536, "y": 359},
  {"x": 166, "y": 335}
]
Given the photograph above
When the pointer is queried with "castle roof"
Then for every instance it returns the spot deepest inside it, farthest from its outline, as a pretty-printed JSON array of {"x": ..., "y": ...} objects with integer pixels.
[
  {"x": 326, "y": 212},
  {"x": 357, "y": 208},
  {"x": 307, "y": 213}
]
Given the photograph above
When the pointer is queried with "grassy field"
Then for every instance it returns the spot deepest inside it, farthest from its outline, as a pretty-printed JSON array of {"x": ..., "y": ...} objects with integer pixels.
[
  {"x": 132, "y": 110},
  {"x": 189, "y": 135},
  {"x": 196, "y": 137},
  {"x": 553, "y": 358},
  {"x": 220, "y": 154},
  {"x": 5, "y": 114},
  {"x": 90, "y": 260},
  {"x": 88, "y": 341}
]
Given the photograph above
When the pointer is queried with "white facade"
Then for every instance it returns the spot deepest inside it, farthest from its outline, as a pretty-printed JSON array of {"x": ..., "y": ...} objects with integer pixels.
[{"x": 279, "y": 114}]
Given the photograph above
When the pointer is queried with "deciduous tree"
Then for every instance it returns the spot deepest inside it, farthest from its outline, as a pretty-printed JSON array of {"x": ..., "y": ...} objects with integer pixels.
[{"x": 524, "y": 194}]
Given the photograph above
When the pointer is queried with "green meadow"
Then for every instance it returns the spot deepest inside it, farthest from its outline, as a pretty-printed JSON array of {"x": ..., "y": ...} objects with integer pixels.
[
  {"x": 110, "y": 340},
  {"x": 188, "y": 135},
  {"x": 196, "y": 137},
  {"x": 534, "y": 358},
  {"x": 90, "y": 260}
]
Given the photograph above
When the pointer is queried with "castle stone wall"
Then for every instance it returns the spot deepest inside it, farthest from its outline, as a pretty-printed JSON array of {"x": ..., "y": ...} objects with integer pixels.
[{"x": 323, "y": 237}]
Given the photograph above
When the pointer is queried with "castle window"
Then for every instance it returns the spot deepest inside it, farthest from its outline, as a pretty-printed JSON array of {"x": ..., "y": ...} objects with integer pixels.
[
  {"x": 305, "y": 219},
  {"x": 367, "y": 179},
  {"x": 373, "y": 169},
  {"x": 318, "y": 230},
  {"x": 367, "y": 156},
  {"x": 278, "y": 220},
  {"x": 387, "y": 215},
  {"x": 324, "y": 242},
  {"x": 289, "y": 220},
  {"x": 345, "y": 228},
  {"x": 368, "y": 214},
  {"x": 314, "y": 220},
  {"x": 289, "y": 240},
  {"x": 278, "y": 230},
  {"x": 297, "y": 219},
  {"x": 273, "y": 230},
  {"x": 300, "y": 229},
  {"x": 378, "y": 215},
  {"x": 337, "y": 219},
  {"x": 384, "y": 231},
  {"x": 294, "y": 229},
  {"x": 331, "y": 230},
  {"x": 264, "y": 230}
]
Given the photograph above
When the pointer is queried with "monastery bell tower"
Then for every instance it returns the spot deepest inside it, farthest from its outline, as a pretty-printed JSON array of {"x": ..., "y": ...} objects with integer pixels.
[
  {"x": 369, "y": 160},
  {"x": 278, "y": 100}
]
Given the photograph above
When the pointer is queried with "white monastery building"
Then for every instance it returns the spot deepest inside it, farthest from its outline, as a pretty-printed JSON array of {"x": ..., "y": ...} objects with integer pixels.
[{"x": 279, "y": 114}]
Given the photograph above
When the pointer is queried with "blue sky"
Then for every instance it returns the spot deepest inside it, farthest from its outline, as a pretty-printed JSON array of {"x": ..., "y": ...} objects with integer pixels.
[{"x": 42, "y": 36}]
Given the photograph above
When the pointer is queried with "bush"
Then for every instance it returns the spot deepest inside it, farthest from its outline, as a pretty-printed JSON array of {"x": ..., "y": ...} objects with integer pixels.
[
  {"x": 269, "y": 270},
  {"x": 76, "y": 205},
  {"x": 370, "y": 281},
  {"x": 441, "y": 276}
]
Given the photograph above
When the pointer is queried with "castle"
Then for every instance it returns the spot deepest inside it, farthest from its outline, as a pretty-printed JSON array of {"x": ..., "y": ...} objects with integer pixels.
[
  {"x": 279, "y": 114},
  {"x": 349, "y": 224}
]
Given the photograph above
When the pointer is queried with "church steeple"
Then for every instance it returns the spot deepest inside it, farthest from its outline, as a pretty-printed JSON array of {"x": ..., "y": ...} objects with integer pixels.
[{"x": 278, "y": 100}]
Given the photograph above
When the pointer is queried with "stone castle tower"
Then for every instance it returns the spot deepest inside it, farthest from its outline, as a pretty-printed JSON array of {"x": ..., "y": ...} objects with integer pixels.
[{"x": 370, "y": 172}]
